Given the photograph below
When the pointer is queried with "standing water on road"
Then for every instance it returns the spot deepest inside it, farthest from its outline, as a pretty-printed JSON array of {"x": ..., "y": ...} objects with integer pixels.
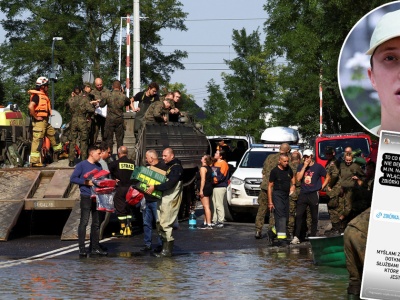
[{"x": 263, "y": 273}]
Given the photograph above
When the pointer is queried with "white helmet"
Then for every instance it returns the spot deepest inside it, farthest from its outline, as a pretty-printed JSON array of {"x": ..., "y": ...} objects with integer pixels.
[{"x": 42, "y": 81}]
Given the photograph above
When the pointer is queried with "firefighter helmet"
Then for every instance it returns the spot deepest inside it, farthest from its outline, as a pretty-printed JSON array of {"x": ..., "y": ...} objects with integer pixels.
[{"x": 42, "y": 81}]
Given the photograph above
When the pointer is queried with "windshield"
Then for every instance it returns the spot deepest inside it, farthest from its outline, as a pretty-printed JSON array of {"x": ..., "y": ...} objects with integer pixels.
[
  {"x": 340, "y": 145},
  {"x": 254, "y": 159}
]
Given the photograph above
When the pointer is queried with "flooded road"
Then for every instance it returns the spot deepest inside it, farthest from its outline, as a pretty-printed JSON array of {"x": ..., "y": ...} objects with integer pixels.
[{"x": 223, "y": 263}]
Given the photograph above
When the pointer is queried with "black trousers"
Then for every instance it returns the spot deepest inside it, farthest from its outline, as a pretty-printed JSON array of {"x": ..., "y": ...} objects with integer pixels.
[
  {"x": 304, "y": 200},
  {"x": 88, "y": 206},
  {"x": 280, "y": 200}
]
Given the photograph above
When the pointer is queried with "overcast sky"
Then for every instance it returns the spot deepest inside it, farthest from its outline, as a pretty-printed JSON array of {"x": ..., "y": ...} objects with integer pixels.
[{"x": 208, "y": 39}]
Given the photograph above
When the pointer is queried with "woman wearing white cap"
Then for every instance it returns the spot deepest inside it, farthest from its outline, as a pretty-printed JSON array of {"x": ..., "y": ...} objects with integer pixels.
[{"x": 384, "y": 72}]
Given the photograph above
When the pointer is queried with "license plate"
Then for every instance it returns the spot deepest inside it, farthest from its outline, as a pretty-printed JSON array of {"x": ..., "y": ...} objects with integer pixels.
[{"x": 255, "y": 202}]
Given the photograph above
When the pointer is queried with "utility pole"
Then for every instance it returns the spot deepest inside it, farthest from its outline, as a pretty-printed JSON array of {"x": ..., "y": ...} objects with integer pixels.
[
  {"x": 53, "y": 76},
  {"x": 136, "y": 48}
]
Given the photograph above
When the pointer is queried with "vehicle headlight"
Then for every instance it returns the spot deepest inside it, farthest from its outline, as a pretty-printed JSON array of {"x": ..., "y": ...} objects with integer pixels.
[{"x": 236, "y": 181}]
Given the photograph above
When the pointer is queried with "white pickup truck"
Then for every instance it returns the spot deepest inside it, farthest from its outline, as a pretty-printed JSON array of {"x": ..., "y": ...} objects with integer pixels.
[{"x": 244, "y": 187}]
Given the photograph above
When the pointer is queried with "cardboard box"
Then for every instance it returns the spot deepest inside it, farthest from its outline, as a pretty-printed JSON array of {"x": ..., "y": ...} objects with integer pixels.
[{"x": 149, "y": 176}]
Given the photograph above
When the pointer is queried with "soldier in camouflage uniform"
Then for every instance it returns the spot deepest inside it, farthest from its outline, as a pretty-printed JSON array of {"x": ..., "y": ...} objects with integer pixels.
[
  {"x": 363, "y": 195},
  {"x": 295, "y": 161},
  {"x": 270, "y": 163},
  {"x": 80, "y": 107},
  {"x": 350, "y": 172},
  {"x": 333, "y": 191},
  {"x": 98, "y": 122},
  {"x": 158, "y": 111},
  {"x": 355, "y": 240},
  {"x": 116, "y": 103}
]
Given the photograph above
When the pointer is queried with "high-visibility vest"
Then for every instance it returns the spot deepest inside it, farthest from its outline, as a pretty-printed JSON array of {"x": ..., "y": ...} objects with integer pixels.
[{"x": 43, "y": 109}]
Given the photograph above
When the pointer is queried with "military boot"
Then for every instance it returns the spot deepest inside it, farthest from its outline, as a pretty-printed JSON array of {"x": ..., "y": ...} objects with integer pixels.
[
  {"x": 258, "y": 235},
  {"x": 335, "y": 230},
  {"x": 167, "y": 249},
  {"x": 271, "y": 235}
]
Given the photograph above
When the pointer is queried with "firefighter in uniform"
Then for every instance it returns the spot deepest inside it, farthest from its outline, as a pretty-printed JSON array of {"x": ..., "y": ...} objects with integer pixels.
[
  {"x": 270, "y": 163},
  {"x": 333, "y": 191},
  {"x": 40, "y": 111},
  {"x": 121, "y": 170}
]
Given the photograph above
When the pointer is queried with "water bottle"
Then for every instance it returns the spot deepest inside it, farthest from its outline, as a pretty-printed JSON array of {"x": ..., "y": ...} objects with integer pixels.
[{"x": 192, "y": 220}]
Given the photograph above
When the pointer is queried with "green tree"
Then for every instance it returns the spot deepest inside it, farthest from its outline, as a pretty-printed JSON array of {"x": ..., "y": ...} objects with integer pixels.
[
  {"x": 249, "y": 89},
  {"x": 216, "y": 109},
  {"x": 310, "y": 34},
  {"x": 90, "y": 31}
]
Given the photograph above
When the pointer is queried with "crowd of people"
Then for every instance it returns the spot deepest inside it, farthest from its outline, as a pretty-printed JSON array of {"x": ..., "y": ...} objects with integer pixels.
[
  {"x": 162, "y": 212},
  {"x": 290, "y": 190},
  {"x": 89, "y": 121},
  {"x": 96, "y": 115}
]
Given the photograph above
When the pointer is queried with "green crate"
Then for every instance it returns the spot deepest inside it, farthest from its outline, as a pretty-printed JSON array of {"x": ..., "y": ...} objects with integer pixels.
[{"x": 146, "y": 177}]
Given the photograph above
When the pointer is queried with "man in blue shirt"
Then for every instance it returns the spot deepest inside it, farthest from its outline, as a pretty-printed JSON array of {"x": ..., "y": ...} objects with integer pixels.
[{"x": 88, "y": 204}]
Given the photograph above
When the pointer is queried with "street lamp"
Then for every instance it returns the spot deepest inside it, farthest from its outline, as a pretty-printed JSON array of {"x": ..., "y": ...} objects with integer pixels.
[{"x": 53, "y": 74}]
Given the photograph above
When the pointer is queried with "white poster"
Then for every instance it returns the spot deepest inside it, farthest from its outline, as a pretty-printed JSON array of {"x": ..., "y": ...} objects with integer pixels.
[{"x": 381, "y": 276}]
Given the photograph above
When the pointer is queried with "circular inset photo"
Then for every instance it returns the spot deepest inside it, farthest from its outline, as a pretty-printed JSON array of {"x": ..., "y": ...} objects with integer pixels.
[{"x": 369, "y": 69}]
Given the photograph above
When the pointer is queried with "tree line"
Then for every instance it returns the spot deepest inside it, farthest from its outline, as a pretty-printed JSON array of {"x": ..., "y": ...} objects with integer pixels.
[{"x": 307, "y": 34}]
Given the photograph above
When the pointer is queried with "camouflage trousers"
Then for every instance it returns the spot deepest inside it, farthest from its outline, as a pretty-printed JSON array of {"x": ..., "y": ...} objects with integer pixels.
[
  {"x": 110, "y": 127},
  {"x": 335, "y": 206},
  {"x": 354, "y": 248},
  {"x": 79, "y": 128},
  {"x": 345, "y": 207},
  {"x": 263, "y": 211}
]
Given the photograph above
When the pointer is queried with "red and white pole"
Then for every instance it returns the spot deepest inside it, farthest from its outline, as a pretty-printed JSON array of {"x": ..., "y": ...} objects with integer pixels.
[
  {"x": 128, "y": 53},
  {"x": 320, "y": 104}
]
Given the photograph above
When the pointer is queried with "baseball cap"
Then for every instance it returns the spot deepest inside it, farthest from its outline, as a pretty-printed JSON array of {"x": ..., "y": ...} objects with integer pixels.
[
  {"x": 387, "y": 28},
  {"x": 308, "y": 152}
]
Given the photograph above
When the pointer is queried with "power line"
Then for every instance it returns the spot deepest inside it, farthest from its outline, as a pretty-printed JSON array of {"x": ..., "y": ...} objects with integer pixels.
[
  {"x": 194, "y": 45},
  {"x": 242, "y": 19},
  {"x": 201, "y": 63},
  {"x": 205, "y": 70}
]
